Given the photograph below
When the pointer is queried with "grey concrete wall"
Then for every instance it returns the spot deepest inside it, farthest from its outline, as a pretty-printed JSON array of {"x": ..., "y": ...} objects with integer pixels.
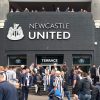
[
  {"x": 2, "y": 48},
  {"x": 97, "y": 47},
  {"x": 95, "y": 8},
  {"x": 4, "y": 9}
]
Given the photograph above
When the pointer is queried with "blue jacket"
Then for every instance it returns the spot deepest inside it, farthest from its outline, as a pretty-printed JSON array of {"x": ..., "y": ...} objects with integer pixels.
[
  {"x": 7, "y": 91},
  {"x": 55, "y": 92}
]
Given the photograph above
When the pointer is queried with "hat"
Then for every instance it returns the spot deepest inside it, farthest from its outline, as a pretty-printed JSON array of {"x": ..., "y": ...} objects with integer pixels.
[{"x": 22, "y": 66}]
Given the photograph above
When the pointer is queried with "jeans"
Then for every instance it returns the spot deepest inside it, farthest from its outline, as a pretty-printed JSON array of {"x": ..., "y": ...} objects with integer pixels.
[
  {"x": 67, "y": 93},
  {"x": 54, "y": 98},
  {"x": 84, "y": 97},
  {"x": 25, "y": 91}
]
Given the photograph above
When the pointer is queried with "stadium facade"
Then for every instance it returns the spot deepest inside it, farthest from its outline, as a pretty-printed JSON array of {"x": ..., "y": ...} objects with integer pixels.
[{"x": 50, "y": 36}]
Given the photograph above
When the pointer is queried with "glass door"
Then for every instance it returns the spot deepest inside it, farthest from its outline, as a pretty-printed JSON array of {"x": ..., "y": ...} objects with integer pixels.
[{"x": 84, "y": 61}]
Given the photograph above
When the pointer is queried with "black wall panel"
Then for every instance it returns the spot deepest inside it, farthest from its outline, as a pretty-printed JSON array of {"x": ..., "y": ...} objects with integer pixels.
[{"x": 81, "y": 29}]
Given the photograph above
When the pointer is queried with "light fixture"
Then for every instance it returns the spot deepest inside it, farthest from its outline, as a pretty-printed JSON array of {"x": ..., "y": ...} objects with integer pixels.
[{"x": 95, "y": 43}]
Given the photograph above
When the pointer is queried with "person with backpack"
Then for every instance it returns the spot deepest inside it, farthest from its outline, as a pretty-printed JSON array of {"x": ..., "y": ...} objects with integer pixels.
[
  {"x": 75, "y": 87},
  {"x": 38, "y": 83},
  {"x": 66, "y": 84}
]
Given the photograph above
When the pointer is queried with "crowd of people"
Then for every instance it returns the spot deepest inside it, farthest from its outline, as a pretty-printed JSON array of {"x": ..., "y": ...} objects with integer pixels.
[
  {"x": 68, "y": 9},
  {"x": 16, "y": 82}
]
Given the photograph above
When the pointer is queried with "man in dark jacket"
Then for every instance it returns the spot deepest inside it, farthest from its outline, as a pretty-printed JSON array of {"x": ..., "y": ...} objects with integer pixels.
[
  {"x": 96, "y": 92},
  {"x": 98, "y": 87},
  {"x": 7, "y": 90},
  {"x": 66, "y": 90},
  {"x": 93, "y": 73},
  {"x": 26, "y": 83},
  {"x": 85, "y": 88}
]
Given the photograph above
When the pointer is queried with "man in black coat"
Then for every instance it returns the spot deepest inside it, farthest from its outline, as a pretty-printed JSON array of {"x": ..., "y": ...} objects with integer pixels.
[
  {"x": 26, "y": 83},
  {"x": 66, "y": 84},
  {"x": 85, "y": 87},
  {"x": 96, "y": 92}
]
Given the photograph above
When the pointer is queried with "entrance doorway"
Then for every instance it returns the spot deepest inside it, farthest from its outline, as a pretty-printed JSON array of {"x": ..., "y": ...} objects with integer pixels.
[
  {"x": 48, "y": 60},
  {"x": 84, "y": 61},
  {"x": 51, "y": 66}
]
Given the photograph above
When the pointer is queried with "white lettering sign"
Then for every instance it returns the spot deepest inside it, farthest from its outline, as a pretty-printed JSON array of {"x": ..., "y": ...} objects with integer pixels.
[
  {"x": 52, "y": 35},
  {"x": 49, "y": 60},
  {"x": 49, "y": 26},
  {"x": 16, "y": 32}
]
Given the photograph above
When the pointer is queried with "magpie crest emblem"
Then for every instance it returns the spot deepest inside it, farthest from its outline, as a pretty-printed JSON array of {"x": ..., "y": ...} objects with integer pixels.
[{"x": 15, "y": 32}]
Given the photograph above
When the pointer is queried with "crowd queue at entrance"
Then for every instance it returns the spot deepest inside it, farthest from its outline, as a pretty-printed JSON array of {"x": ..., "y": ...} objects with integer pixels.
[{"x": 15, "y": 82}]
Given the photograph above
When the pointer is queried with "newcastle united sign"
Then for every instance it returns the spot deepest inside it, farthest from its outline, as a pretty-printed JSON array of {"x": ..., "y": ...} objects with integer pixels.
[{"x": 50, "y": 31}]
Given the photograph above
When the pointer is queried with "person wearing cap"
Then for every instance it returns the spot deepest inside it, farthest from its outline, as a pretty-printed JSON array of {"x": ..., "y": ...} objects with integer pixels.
[
  {"x": 7, "y": 90},
  {"x": 55, "y": 94}
]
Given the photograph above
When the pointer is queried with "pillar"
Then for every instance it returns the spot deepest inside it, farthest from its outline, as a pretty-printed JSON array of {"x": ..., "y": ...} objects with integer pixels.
[{"x": 95, "y": 9}]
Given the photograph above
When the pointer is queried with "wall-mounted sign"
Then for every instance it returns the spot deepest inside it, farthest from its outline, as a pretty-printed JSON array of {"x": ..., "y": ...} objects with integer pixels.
[
  {"x": 50, "y": 32},
  {"x": 49, "y": 60}
]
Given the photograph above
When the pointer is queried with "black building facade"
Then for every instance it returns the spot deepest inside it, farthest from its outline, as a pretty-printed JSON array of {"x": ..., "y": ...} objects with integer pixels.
[{"x": 49, "y": 37}]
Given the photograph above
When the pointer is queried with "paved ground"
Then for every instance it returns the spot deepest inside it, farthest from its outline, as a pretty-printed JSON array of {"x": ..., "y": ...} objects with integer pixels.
[{"x": 34, "y": 97}]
